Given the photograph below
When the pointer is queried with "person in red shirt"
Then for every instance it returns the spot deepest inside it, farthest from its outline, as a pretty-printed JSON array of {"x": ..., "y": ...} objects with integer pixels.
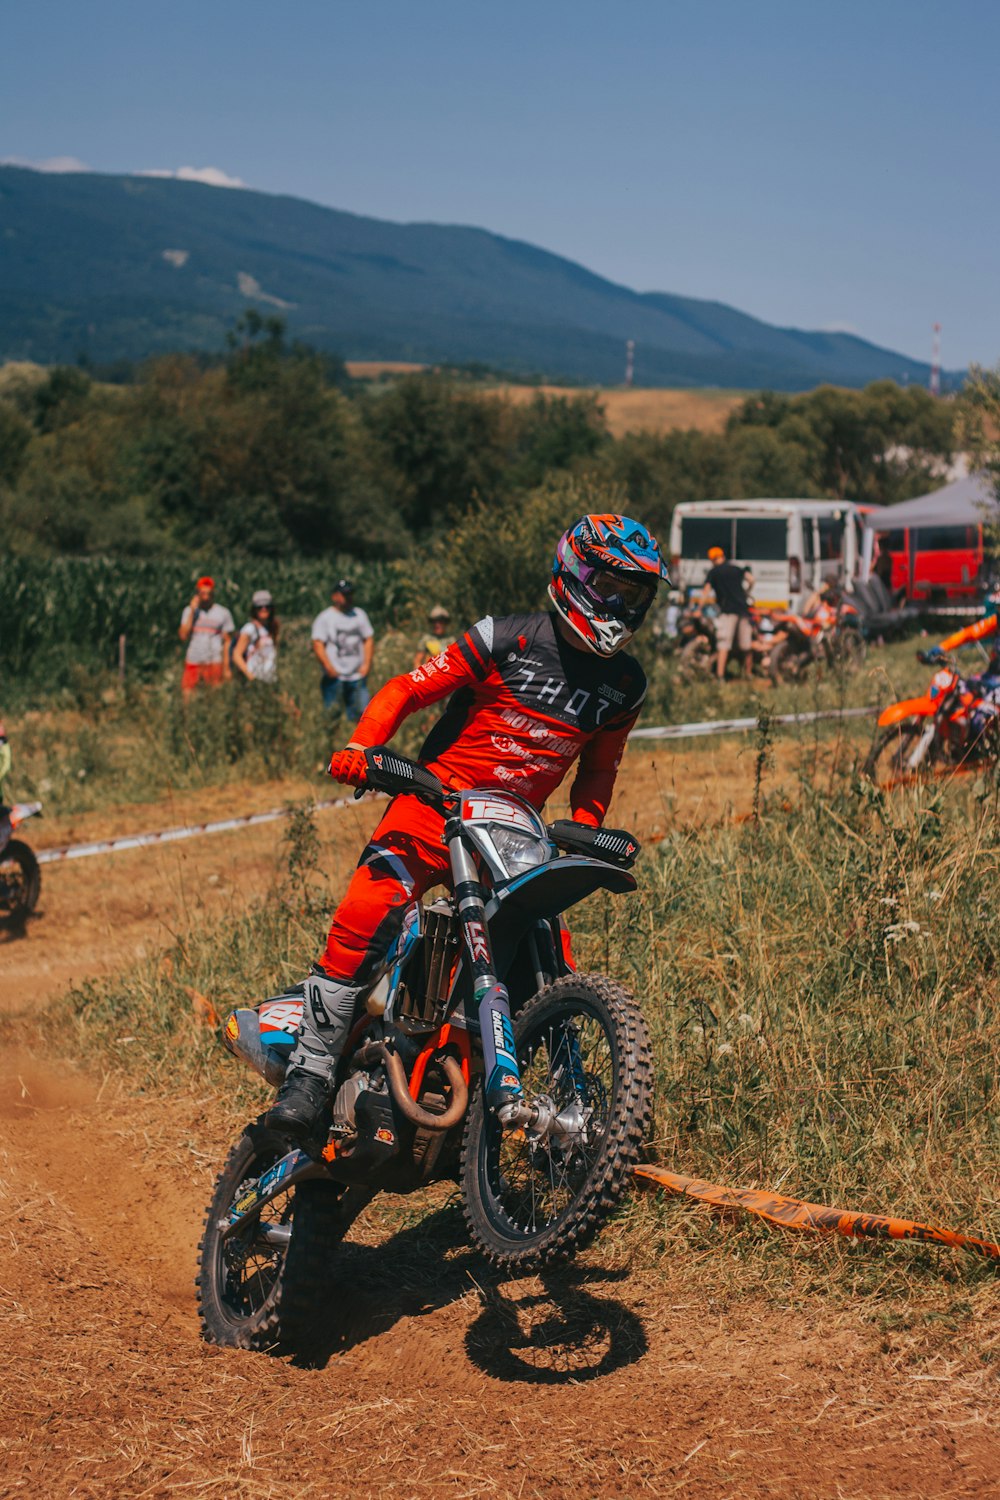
[{"x": 530, "y": 695}]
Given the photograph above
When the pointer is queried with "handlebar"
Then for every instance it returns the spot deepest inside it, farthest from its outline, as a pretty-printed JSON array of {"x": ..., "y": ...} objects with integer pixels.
[{"x": 388, "y": 771}]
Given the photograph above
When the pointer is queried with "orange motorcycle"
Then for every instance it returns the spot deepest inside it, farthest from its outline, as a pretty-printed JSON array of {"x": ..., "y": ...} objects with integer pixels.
[
  {"x": 934, "y": 728},
  {"x": 831, "y": 638}
]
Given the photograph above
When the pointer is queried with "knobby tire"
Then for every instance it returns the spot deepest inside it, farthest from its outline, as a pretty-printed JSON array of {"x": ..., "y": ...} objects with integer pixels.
[
  {"x": 615, "y": 1153},
  {"x": 294, "y": 1312}
]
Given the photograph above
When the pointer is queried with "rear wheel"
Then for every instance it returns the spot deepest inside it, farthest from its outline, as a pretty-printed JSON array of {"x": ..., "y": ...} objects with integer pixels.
[
  {"x": 583, "y": 1044},
  {"x": 270, "y": 1287},
  {"x": 20, "y": 883}
]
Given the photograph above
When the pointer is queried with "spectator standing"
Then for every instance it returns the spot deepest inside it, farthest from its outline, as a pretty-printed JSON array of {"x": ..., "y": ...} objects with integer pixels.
[
  {"x": 882, "y": 566},
  {"x": 207, "y": 628},
  {"x": 437, "y": 638},
  {"x": 255, "y": 654},
  {"x": 5, "y": 761},
  {"x": 344, "y": 644},
  {"x": 733, "y": 624}
]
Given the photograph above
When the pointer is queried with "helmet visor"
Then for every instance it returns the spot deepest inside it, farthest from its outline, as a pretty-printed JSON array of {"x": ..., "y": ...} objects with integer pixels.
[{"x": 622, "y": 594}]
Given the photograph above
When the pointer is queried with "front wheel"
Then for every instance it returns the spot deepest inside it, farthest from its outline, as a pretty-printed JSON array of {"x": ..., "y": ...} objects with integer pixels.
[
  {"x": 886, "y": 764},
  {"x": 20, "y": 883},
  {"x": 848, "y": 648},
  {"x": 788, "y": 663},
  {"x": 583, "y": 1046},
  {"x": 271, "y": 1286}
]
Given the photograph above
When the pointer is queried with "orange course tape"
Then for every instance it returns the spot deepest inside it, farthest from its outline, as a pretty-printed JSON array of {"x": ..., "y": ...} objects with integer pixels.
[{"x": 789, "y": 1213}]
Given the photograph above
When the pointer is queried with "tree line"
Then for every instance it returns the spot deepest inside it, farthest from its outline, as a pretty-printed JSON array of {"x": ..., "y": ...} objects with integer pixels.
[{"x": 271, "y": 451}]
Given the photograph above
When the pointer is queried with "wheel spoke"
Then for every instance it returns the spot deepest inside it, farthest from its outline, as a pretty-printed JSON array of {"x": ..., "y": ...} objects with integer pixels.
[{"x": 570, "y": 1062}]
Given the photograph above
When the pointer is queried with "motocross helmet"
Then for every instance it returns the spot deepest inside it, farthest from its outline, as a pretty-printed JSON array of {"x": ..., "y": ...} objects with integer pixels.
[{"x": 604, "y": 579}]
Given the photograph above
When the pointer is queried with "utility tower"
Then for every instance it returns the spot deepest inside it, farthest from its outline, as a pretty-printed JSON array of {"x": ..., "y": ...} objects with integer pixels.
[
  {"x": 629, "y": 361},
  {"x": 935, "y": 380}
]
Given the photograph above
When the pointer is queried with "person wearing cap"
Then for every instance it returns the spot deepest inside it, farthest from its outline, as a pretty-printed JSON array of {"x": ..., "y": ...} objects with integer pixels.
[
  {"x": 255, "y": 654},
  {"x": 344, "y": 643},
  {"x": 733, "y": 624},
  {"x": 438, "y": 637},
  {"x": 206, "y": 628}
]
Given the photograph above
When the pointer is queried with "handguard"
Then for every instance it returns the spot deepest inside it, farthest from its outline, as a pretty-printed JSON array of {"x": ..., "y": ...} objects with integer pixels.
[
  {"x": 615, "y": 846},
  {"x": 388, "y": 771}
]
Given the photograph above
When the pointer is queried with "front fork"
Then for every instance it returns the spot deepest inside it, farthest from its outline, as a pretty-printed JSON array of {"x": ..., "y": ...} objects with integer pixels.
[{"x": 504, "y": 1093}]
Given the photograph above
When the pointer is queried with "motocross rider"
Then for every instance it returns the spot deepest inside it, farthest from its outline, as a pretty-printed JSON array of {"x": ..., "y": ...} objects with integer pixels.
[
  {"x": 987, "y": 684},
  {"x": 529, "y": 694}
]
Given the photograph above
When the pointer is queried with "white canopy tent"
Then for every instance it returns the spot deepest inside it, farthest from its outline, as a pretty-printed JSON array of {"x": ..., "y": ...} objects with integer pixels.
[{"x": 961, "y": 503}]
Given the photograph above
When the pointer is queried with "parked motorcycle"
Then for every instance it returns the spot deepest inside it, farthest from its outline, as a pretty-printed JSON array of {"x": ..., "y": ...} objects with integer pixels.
[
  {"x": 698, "y": 644},
  {"x": 20, "y": 876},
  {"x": 936, "y": 727},
  {"x": 478, "y": 1055},
  {"x": 831, "y": 638}
]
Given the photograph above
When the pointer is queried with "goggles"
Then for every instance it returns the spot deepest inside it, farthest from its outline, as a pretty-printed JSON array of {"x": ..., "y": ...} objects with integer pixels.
[{"x": 621, "y": 592}]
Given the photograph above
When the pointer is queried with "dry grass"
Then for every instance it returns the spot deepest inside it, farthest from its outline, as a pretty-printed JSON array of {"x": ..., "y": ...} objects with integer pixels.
[
  {"x": 374, "y": 369},
  {"x": 641, "y": 410}
]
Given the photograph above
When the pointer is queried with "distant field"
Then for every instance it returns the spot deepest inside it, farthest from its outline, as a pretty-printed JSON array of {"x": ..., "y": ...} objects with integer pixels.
[
  {"x": 645, "y": 410},
  {"x": 371, "y": 369}
]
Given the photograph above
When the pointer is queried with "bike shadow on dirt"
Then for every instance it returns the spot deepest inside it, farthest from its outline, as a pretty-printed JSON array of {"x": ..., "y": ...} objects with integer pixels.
[
  {"x": 545, "y": 1329},
  {"x": 14, "y": 930}
]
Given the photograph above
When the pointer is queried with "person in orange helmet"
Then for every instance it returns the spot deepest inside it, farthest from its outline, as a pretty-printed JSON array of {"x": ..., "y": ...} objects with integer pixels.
[{"x": 728, "y": 583}]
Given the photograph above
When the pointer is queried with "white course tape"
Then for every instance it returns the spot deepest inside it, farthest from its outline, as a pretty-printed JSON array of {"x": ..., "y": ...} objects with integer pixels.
[
  {"x": 737, "y": 726},
  {"x": 251, "y": 820},
  {"x": 173, "y": 835}
]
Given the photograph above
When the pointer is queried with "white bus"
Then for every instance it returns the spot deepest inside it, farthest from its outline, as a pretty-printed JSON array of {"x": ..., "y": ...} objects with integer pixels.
[{"x": 790, "y": 546}]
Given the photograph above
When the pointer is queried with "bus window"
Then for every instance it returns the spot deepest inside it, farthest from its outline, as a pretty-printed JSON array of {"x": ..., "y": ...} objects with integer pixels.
[
  {"x": 761, "y": 538},
  {"x": 943, "y": 539},
  {"x": 894, "y": 541},
  {"x": 808, "y": 550},
  {"x": 698, "y": 533},
  {"x": 831, "y": 538}
]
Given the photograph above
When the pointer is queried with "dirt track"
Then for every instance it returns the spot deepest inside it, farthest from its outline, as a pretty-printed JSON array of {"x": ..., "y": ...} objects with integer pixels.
[
  {"x": 591, "y": 1382},
  {"x": 586, "y": 1382}
]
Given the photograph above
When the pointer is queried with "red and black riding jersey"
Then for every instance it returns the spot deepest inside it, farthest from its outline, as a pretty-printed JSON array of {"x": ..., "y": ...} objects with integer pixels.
[{"x": 526, "y": 705}]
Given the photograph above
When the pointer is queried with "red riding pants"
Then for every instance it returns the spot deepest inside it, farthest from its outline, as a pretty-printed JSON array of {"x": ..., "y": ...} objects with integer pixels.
[{"x": 403, "y": 860}]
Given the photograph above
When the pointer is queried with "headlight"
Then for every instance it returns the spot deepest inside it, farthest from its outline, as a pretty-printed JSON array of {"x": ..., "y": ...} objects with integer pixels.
[{"x": 519, "y": 851}]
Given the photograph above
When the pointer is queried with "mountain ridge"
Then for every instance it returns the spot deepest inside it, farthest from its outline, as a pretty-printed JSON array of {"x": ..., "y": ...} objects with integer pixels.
[{"x": 115, "y": 266}]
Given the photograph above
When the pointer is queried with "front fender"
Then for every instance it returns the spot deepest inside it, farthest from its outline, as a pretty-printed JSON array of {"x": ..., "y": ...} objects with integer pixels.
[
  {"x": 910, "y": 708},
  {"x": 543, "y": 893}
]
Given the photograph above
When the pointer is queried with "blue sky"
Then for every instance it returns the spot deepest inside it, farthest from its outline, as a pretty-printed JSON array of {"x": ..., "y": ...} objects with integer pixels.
[{"x": 829, "y": 165}]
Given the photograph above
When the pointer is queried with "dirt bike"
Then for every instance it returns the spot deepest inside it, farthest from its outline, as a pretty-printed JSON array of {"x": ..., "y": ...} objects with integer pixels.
[
  {"x": 833, "y": 639},
  {"x": 20, "y": 876},
  {"x": 478, "y": 1055},
  {"x": 916, "y": 732},
  {"x": 697, "y": 647}
]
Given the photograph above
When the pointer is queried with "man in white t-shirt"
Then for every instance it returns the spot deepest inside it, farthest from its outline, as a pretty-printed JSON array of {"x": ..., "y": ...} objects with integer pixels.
[
  {"x": 344, "y": 643},
  {"x": 207, "y": 628}
]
